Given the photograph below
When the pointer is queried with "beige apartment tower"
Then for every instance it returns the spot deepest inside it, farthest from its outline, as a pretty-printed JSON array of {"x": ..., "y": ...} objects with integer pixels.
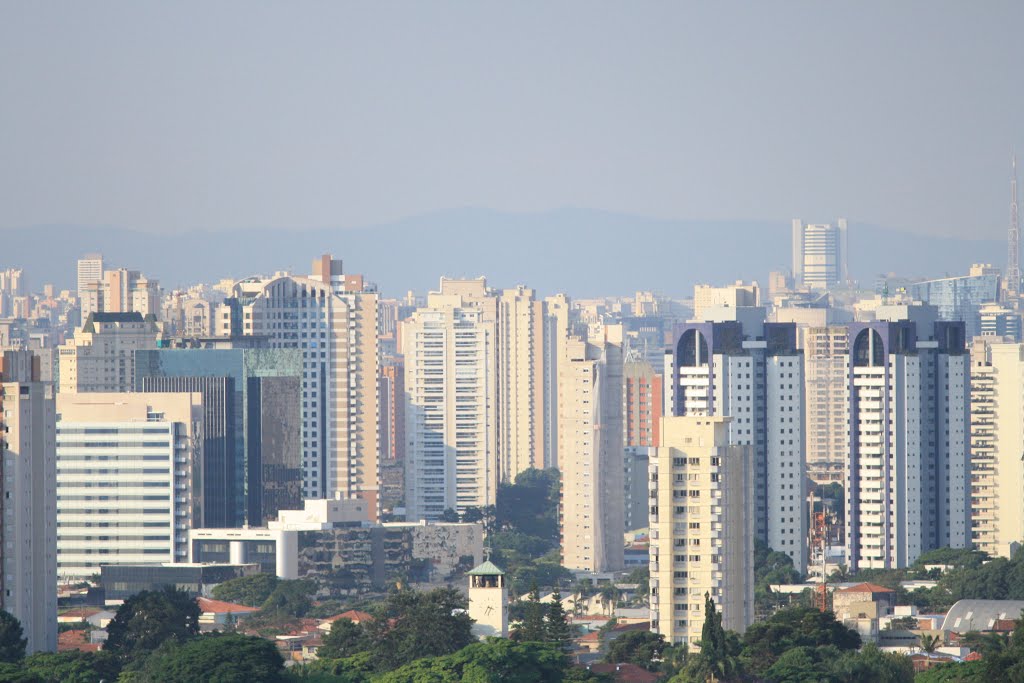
[
  {"x": 997, "y": 469},
  {"x": 590, "y": 452},
  {"x": 702, "y": 528},
  {"x": 101, "y": 356},
  {"x": 519, "y": 320},
  {"x": 332, "y": 318}
]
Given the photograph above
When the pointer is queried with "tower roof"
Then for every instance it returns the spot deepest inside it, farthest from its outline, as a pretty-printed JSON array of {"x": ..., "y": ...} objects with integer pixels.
[{"x": 488, "y": 568}]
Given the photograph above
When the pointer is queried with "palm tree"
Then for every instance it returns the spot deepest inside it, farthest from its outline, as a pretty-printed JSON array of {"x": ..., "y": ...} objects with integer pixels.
[
  {"x": 609, "y": 597},
  {"x": 929, "y": 643}
]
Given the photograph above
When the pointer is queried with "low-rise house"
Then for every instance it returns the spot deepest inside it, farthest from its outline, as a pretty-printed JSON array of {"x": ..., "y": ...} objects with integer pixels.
[
  {"x": 353, "y": 615},
  {"x": 217, "y": 614}
]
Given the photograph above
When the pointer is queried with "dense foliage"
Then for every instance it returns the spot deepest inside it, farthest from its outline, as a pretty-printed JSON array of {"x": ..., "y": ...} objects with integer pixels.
[
  {"x": 642, "y": 648},
  {"x": 252, "y": 591},
  {"x": 771, "y": 567},
  {"x": 149, "y": 619},
  {"x": 795, "y": 645},
  {"x": 12, "y": 640},
  {"x": 789, "y": 629},
  {"x": 216, "y": 658},
  {"x": 72, "y": 667}
]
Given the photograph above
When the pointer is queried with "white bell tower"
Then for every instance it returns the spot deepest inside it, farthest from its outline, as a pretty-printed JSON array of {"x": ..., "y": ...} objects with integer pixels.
[{"x": 488, "y": 601}]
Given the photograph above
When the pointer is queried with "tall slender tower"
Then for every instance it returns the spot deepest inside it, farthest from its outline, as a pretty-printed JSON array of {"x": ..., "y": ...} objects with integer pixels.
[{"x": 1013, "y": 260}]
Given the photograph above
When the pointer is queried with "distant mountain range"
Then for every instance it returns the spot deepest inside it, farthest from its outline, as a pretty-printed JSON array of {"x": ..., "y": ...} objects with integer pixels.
[{"x": 579, "y": 251}]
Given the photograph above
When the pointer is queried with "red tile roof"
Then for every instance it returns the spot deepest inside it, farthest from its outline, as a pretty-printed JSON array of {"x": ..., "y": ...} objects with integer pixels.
[
  {"x": 867, "y": 588},
  {"x": 353, "y": 615},
  {"x": 208, "y": 606},
  {"x": 75, "y": 640}
]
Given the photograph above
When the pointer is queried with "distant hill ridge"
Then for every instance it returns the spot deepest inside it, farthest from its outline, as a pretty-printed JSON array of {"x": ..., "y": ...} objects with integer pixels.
[{"x": 579, "y": 251}]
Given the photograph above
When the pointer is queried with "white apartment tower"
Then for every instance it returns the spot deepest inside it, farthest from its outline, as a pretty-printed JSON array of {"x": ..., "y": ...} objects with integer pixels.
[
  {"x": 332, "y": 318},
  {"x": 128, "y": 466},
  {"x": 523, "y": 407},
  {"x": 702, "y": 528},
  {"x": 907, "y": 475},
  {"x": 90, "y": 270},
  {"x": 997, "y": 430},
  {"x": 753, "y": 372},
  {"x": 450, "y": 401},
  {"x": 819, "y": 254},
  {"x": 28, "y": 505},
  {"x": 590, "y": 452}
]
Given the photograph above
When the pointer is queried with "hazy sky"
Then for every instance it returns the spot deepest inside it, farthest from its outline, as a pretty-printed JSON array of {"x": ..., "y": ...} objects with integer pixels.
[{"x": 213, "y": 115}]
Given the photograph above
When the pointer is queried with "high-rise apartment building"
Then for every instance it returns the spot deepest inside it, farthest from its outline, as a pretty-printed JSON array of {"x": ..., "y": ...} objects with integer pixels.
[
  {"x": 819, "y": 254},
  {"x": 753, "y": 372},
  {"x": 590, "y": 452},
  {"x": 642, "y": 396},
  {"x": 984, "y": 470},
  {"x": 450, "y": 405},
  {"x": 127, "y": 470},
  {"x": 28, "y": 504},
  {"x": 558, "y": 321},
  {"x": 90, "y": 270},
  {"x": 825, "y": 360},
  {"x": 116, "y": 291},
  {"x": 997, "y": 440},
  {"x": 522, "y": 405},
  {"x": 101, "y": 357},
  {"x": 702, "y": 528},
  {"x": 907, "y": 473},
  {"x": 332, "y": 318},
  {"x": 391, "y": 385}
]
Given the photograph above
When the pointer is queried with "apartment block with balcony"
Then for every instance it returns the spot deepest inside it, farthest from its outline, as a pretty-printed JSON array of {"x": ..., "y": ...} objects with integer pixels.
[{"x": 701, "y": 528}]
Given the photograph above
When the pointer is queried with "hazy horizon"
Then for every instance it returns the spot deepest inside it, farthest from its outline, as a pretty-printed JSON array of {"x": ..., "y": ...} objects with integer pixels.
[{"x": 168, "y": 118}]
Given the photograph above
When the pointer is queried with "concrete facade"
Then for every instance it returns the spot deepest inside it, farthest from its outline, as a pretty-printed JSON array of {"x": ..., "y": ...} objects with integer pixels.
[
  {"x": 127, "y": 470},
  {"x": 28, "y": 505},
  {"x": 590, "y": 452},
  {"x": 701, "y": 528}
]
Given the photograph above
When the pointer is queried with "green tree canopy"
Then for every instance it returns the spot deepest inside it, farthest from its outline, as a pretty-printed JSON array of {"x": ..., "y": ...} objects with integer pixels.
[
  {"x": 12, "y": 638},
  {"x": 495, "y": 661},
  {"x": 247, "y": 590},
  {"x": 642, "y": 648},
  {"x": 290, "y": 598},
  {"x": 531, "y": 627},
  {"x": 148, "y": 619},
  {"x": 345, "y": 639},
  {"x": 411, "y": 625},
  {"x": 790, "y": 628},
  {"x": 73, "y": 666},
  {"x": 557, "y": 629},
  {"x": 215, "y": 658}
]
